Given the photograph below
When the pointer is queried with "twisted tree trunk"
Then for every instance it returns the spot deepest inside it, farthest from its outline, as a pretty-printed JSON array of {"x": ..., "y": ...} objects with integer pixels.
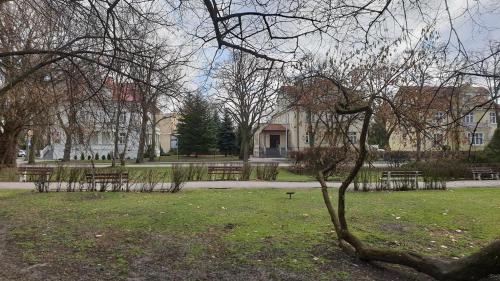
[{"x": 474, "y": 267}]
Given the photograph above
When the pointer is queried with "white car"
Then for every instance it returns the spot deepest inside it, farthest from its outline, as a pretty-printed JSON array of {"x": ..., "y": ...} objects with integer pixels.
[{"x": 21, "y": 153}]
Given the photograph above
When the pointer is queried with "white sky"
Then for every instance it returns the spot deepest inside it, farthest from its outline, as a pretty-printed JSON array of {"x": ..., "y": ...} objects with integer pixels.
[{"x": 476, "y": 23}]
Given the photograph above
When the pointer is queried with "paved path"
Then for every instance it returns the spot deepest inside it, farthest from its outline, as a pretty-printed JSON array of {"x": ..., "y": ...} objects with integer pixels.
[{"x": 264, "y": 184}]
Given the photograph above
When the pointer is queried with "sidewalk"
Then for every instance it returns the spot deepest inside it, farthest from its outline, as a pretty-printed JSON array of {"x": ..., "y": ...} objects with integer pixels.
[{"x": 268, "y": 184}]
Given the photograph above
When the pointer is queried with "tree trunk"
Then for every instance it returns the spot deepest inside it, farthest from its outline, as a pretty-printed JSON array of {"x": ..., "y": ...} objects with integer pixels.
[
  {"x": 116, "y": 136},
  {"x": 68, "y": 143},
  {"x": 32, "y": 150},
  {"x": 310, "y": 130},
  {"x": 142, "y": 136},
  {"x": 419, "y": 146},
  {"x": 245, "y": 139},
  {"x": 152, "y": 152},
  {"x": 497, "y": 113},
  {"x": 127, "y": 135},
  {"x": 474, "y": 267},
  {"x": 8, "y": 148}
]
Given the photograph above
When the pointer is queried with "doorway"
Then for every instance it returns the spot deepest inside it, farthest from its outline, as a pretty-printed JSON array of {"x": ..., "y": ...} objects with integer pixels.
[{"x": 274, "y": 141}]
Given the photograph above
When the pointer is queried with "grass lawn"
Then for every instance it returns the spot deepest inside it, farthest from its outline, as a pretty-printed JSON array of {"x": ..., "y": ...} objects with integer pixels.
[
  {"x": 9, "y": 175},
  {"x": 230, "y": 234}
]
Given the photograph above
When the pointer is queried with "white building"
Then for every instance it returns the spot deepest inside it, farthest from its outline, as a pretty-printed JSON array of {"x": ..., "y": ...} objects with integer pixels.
[{"x": 113, "y": 113}]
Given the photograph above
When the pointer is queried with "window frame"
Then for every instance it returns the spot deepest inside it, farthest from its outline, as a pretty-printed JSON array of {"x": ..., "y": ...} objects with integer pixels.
[
  {"x": 351, "y": 135},
  {"x": 121, "y": 137},
  {"x": 493, "y": 116},
  {"x": 438, "y": 139},
  {"x": 474, "y": 137},
  {"x": 469, "y": 118}
]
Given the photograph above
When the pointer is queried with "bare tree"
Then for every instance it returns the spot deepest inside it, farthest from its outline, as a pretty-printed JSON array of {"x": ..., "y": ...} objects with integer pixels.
[{"x": 246, "y": 89}]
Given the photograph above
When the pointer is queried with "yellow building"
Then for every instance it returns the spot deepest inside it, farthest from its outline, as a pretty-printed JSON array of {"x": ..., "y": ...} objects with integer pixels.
[
  {"x": 454, "y": 118},
  {"x": 167, "y": 124},
  {"x": 302, "y": 121}
]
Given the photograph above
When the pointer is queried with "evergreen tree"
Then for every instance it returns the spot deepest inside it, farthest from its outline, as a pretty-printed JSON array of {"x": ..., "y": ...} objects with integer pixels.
[
  {"x": 226, "y": 139},
  {"x": 196, "y": 129},
  {"x": 377, "y": 134},
  {"x": 492, "y": 150}
]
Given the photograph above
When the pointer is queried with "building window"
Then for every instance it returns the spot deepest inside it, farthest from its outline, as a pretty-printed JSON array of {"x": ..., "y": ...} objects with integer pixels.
[
  {"x": 307, "y": 138},
  {"x": 439, "y": 116},
  {"x": 123, "y": 118},
  {"x": 121, "y": 138},
  {"x": 173, "y": 142},
  {"x": 493, "y": 117},
  {"x": 475, "y": 139},
  {"x": 438, "y": 139},
  {"x": 352, "y": 136},
  {"x": 469, "y": 118}
]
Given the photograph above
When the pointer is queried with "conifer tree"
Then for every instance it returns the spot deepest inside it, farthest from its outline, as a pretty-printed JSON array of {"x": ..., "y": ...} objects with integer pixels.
[
  {"x": 196, "y": 128},
  {"x": 226, "y": 138}
]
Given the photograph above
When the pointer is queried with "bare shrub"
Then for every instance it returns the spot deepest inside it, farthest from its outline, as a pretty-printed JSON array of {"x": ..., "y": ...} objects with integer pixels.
[
  {"x": 59, "y": 176},
  {"x": 196, "y": 172},
  {"x": 246, "y": 172},
  {"x": 75, "y": 177},
  {"x": 267, "y": 172},
  {"x": 178, "y": 177},
  {"x": 150, "y": 179}
]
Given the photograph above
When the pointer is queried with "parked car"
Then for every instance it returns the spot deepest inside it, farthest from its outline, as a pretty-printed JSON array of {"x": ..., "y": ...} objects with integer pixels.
[{"x": 21, "y": 153}]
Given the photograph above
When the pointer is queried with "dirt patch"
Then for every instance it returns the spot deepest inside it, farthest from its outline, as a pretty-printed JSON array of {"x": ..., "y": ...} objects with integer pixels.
[
  {"x": 395, "y": 228},
  {"x": 141, "y": 256}
]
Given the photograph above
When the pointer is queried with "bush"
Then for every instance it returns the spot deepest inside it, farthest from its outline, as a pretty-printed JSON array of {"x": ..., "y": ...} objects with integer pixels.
[
  {"x": 491, "y": 153},
  {"x": 82, "y": 156},
  {"x": 151, "y": 179},
  {"x": 75, "y": 178},
  {"x": 75, "y": 158},
  {"x": 103, "y": 157},
  {"x": 312, "y": 160},
  {"x": 246, "y": 172},
  {"x": 108, "y": 156},
  {"x": 195, "y": 172},
  {"x": 443, "y": 169},
  {"x": 89, "y": 157},
  {"x": 178, "y": 178},
  {"x": 58, "y": 176},
  {"x": 96, "y": 156},
  {"x": 267, "y": 172}
]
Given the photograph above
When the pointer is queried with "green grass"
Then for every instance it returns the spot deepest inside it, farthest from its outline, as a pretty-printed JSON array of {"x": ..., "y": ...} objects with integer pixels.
[
  {"x": 9, "y": 175},
  {"x": 243, "y": 226}
]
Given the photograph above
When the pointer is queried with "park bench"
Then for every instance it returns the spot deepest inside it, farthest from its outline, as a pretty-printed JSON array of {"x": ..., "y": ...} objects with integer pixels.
[
  {"x": 223, "y": 171},
  {"x": 478, "y": 172},
  {"x": 411, "y": 177},
  {"x": 116, "y": 179},
  {"x": 39, "y": 175}
]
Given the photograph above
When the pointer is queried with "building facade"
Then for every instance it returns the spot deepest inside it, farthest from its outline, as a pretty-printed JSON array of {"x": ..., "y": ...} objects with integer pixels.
[
  {"x": 167, "y": 124},
  {"x": 110, "y": 120},
  {"x": 305, "y": 118},
  {"x": 449, "y": 118}
]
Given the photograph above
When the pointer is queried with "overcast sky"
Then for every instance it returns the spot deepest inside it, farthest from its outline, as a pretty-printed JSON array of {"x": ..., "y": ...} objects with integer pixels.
[{"x": 475, "y": 22}]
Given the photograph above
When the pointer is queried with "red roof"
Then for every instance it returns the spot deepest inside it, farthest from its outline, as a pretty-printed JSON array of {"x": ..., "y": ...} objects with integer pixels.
[
  {"x": 274, "y": 127},
  {"x": 124, "y": 91}
]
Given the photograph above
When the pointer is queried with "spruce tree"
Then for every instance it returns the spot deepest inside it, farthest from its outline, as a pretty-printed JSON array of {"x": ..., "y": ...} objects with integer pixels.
[
  {"x": 492, "y": 150},
  {"x": 226, "y": 138},
  {"x": 196, "y": 129}
]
